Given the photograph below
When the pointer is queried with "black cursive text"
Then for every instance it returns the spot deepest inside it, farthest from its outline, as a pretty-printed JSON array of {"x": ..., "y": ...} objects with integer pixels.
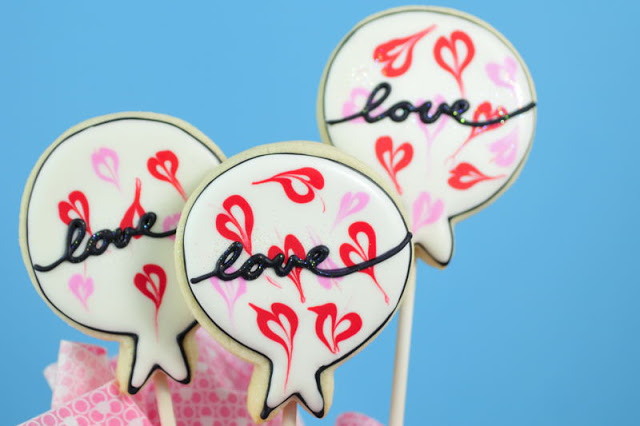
[
  {"x": 100, "y": 241},
  {"x": 253, "y": 267},
  {"x": 401, "y": 110}
]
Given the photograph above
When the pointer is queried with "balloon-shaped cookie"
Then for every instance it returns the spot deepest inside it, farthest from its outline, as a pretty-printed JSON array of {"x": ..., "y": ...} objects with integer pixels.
[
  {"x": 440, "y": 104},
  {"x": 97, "y": 231},
  {"x": 294, "y": 257}
]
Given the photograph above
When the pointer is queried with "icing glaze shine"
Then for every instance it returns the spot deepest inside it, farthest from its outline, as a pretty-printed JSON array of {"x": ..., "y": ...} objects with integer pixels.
[
  {"x": 93, "y": 239},
  {"x": 271, "y": 243},
  {"x": 440, "y": 104}
]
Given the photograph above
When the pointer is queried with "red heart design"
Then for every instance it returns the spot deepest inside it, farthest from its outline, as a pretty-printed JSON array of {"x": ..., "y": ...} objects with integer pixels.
[
  {"x": 79, "y": 205},
  {"x": 390, "y": 51},
  {"x": 266, "y": 318},
  {"x": 465, "y": 175},
  {"x": 308, "y": 176},
  {"x": 153, "y": 289},
  {"x": 387, "y": 157},
  {"x": 346, "y": 250},
  {"x": 152, "y": 283},
  {"x": 458, "y": 66},
  {"x": 164, "y": 167},
  {"x": 329, "y": 311},
  {"x": 292, "y": 246},
  {"x": 135, "y": 209},
  {"x": 241, "y": 234},
  {"x": 484, "y": 112}
]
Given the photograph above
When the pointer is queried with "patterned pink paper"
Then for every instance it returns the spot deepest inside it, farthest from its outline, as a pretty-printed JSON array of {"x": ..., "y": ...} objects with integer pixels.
[
  {"x": 85, "y": 392},
  {"x": 104, "y": 405},
  {"x": 356, "y": 419},
  {"x": 81, "y": 368}
]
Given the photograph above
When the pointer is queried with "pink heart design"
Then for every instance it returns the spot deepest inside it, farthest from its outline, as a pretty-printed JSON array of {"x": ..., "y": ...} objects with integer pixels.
[
  {"x": 328, "y": 263},
  {"x": 503, "y": 75},
  {"x": 505, "y": 149},
  {"x": 324, "y": 281},
  {"x": 350, "y": 204},
  {"x": 230, "y": 291},
  {"x": 170, "y": 223},
  {"x": 354, "y": 105},
  {"x": 81, "y": 288},
  {"x": 106, "y": 159},
  {"x": 426, "y": 211},
  {"x": 432, "y": 134},
  {"x": 351, "y": 106}
]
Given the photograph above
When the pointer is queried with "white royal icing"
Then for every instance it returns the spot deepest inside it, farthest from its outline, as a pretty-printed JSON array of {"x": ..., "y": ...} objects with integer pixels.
[
  {"x": 289, "y": 198},
  {"x": 94, "y": 174},
  {"x": 443, "y": 170}
]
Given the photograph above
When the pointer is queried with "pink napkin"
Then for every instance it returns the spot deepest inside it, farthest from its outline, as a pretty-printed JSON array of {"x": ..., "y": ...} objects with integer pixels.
[{"x": 85, "y": 392}]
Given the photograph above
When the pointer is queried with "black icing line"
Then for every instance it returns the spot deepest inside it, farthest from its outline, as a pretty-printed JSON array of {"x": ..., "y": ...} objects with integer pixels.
[
  {"x": 133, "y": 336},
  {"x": 266, "y": 411},
  {"x": 455, "y": 110},
  {"x": 253, "y": 267},
  {"x": 99, "y": 242}
]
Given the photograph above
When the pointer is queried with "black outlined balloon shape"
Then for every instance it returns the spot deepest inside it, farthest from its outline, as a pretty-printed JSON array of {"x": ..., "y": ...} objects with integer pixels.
[
  {"x": 293, "y": 257},
  {"x": 441, "y": 104},
  {"x": 97, "y": 231}
]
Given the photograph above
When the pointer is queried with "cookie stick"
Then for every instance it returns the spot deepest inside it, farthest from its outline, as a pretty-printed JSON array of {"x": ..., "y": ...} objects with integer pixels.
[
  {"x": 450, "y": 143},
  {"x": 163, "y": 400},
  {"x": 98, "y": 216},
  {"x": 290, "y": 414}
]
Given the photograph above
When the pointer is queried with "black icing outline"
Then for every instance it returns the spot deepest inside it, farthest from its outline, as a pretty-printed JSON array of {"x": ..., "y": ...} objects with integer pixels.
[
  {"x": 132, "y": 390},
  {"x": 266, "y": 410},
  {"x": 324, "y": 126}
]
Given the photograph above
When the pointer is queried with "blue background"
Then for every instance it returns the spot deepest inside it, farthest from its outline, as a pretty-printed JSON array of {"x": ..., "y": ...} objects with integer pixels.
[{"x": 536, "y": 320}]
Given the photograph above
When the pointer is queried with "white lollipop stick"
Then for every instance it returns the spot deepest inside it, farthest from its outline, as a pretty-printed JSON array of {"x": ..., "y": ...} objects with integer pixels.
[
  {"x": 290, "y": 414},
  {"x": 401, "y": 363},
  {"x": 163, "y": 400}
]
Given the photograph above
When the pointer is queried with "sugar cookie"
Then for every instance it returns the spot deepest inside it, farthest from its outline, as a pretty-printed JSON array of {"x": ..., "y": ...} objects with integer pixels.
[
  {"x": 294, "y": 258},
  {"x": 97, "y": 231},
  {"x": 440, "y": 104}
]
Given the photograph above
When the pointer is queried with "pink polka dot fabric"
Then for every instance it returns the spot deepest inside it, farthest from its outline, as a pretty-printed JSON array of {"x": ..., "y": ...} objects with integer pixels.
[{"x": 85, "y": 392}]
